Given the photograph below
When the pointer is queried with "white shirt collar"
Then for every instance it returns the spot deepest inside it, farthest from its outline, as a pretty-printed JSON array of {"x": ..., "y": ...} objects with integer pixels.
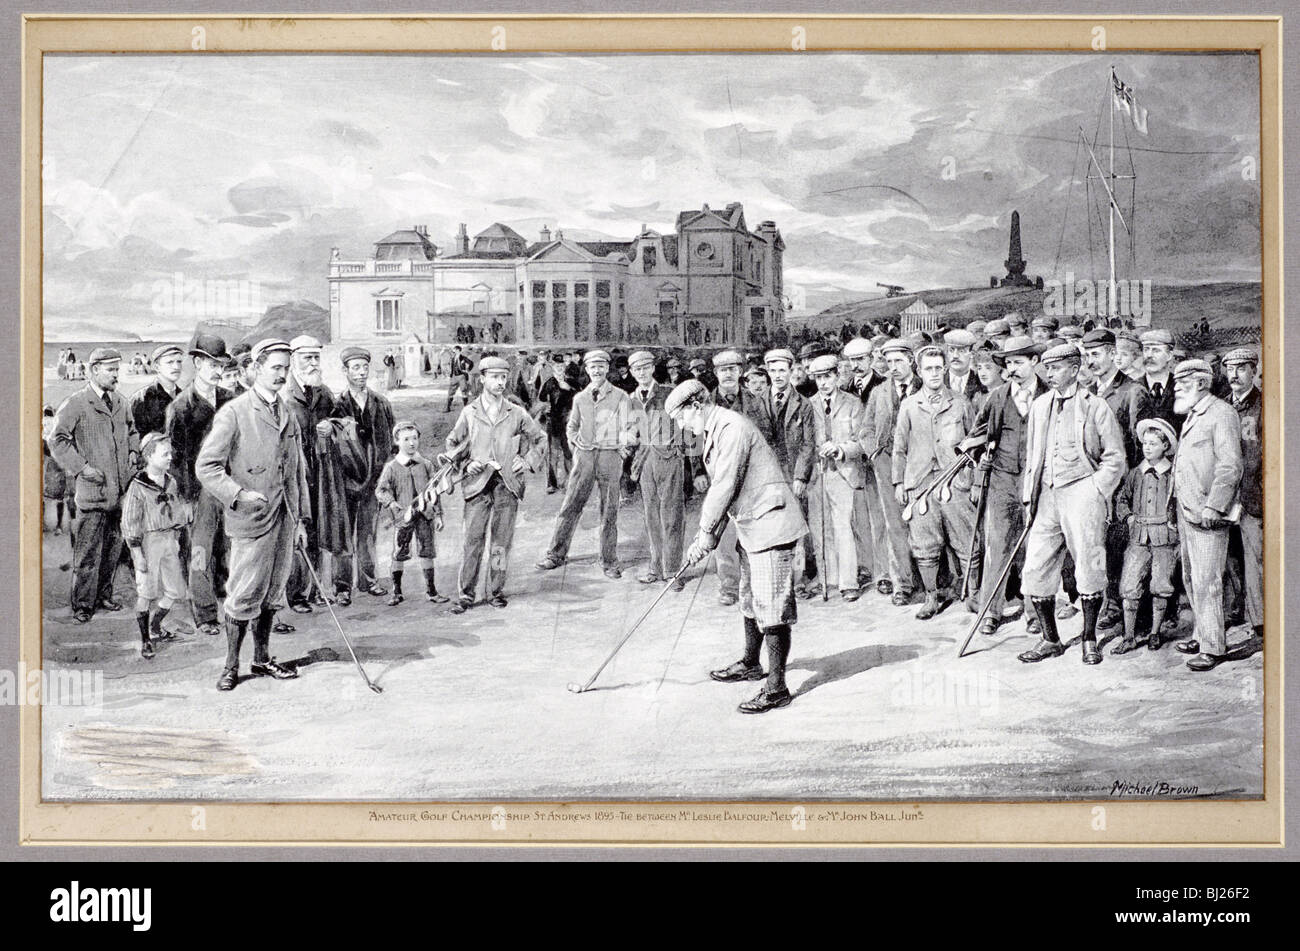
[{"x": 1161, "y": 467}]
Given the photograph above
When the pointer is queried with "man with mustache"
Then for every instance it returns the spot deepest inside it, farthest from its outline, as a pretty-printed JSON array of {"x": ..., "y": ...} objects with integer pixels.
[
  {"x": 1074, "y": 462},
  {"x": 149, "y": 405},
  {"x": 1157, "y": 389},
  {"x": 311, "y": 404},
  {"x": 1207, "y": 476},
  {"x": 252, "y": 462},
  {"x": 1241, "y": 365}
]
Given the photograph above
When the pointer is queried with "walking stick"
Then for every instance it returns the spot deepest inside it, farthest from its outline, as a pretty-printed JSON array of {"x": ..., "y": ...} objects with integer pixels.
[
  {"x": 824, "y": 567},
  {"x": 583, "y": 688},
  {"x": 672, "y": 650},
  {"x": 980, "y": 512},
  {"x": 1002, "y": 579},
  {"x": 329, "y": 604}
]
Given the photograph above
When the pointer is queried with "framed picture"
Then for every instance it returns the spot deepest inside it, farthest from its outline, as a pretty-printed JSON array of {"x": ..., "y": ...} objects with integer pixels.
[{"x": 769, "y": 430}]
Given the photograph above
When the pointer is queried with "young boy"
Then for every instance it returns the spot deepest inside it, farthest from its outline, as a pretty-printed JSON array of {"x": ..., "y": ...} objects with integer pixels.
[
  {"x": 1145, "y": 502},
  {"x": 152, "y": 517},
  {"x": 401, "y": 490}
]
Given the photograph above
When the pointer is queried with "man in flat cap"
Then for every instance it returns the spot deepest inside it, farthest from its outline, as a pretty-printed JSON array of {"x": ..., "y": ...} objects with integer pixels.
[
  {"x": 861, "y": 352},
  {"x": 837, "y": 477},
  {"x": 997, "y": 331},
  {"x": 1241, "y": 366},
  {"x": 699, "y": 368},
  {"x": 878, "y": 445},
  {"x": 932, "y": 423},
  {"x": 728, "y": 365},
  {"x": 1128, "y": 354},
  {"x": 95, "y": 441},
  {"x": 235, "y": 377},
  {"x": 311, "y": 403},
  {"x": 958, "y": 346},
  {"x": 1074, "y": 461},
  {"x": 809, "y": 352},
  {"x": 1207, "y": 476},
  {"x": 1002, "y": 423},
  {"x": 657, "y": 467},
  {"x": 600, "y": 434},
  {"x": 252, "y": 462},
  {"x": 1156, "y": 386},
  {"x": 1043, "y": 329},
  {"x": 747, "y": 486},
  {"x": 375, "y": 419},
  {"x": 149, "y": 405},
  {"x": 500, "y": 440},
  {"x": 189, "y": 419}
]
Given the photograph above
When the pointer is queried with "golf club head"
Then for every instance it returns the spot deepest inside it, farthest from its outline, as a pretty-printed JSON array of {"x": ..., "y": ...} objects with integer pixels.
[
  {"x": 923, "y": 504},
  {"x": 907, "y": 512},
  {"x": 576, "y": 688},
  {"x": 376, "y": 688},
  {"x": 945, "y": 494}
]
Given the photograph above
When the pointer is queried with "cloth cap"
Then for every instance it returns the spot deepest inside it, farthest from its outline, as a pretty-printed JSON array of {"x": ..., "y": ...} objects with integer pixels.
[
  {"x": 1062, "y": 351},
  {"x": 596, "y": 356},
  {"x": 1019, "y": 346},
  {"x": 996, "y": 328},
  {"x": 1130, "y": 335},
  {"x": 780, "y": 353},
  {"x": 161, "y": 351},
  {"x": 728, "y": 358},
  {"x": 354, "y": 353},
  {"x": 896, "y": 346},
  {"x": 826, "y": 363},
  {"x": 674, "y": 362},
  {"x": 1071, "y": 332},
  {"x": 269, "y": 345},
  {"x": 209, "y": 345},
  {"x": 959, "y": 338},
  {"x": 1098, "y": 337},
  {"x": 148, "y": 442},
  {"x": 681, "y": 393},
  {"x": 1193, "y": 368},
  {"x": 1157, "y": 336},
  {"x": 640, "y": 358},
  {"x": 1162, "y": 427},
  {"x": 857, "y": 347},
  {"x": 305, "y": 342},
  {"x": 698, "y": 363},
  {"x": 1051, "y": 323},
  {"x": 493, "y": 363},
  {"x": 403, "y": 424},
  {"x": 1241, "y": 355},
  {"x": 977, "y": 326},
  {"x": 810, "y": 351},
  {"x": 102, "y": 355}
]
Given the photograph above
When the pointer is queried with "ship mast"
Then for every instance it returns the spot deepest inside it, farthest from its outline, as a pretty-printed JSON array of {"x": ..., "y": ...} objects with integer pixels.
[{"x": 1110, "y": 292}]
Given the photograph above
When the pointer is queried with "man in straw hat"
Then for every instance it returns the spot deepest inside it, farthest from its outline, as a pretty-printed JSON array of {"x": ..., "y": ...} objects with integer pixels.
[
  {"x": 1073, "y": 462},
  {"x": 95, "y": 441},
  {"x": 747, "y": 487},
  {"x": 1207, "y": 477}
]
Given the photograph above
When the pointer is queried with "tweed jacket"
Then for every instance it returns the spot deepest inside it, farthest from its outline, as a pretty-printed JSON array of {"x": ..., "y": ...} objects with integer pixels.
[
  {"x": 86, "y": 432},
  {"x": 1208, "y": 465}
]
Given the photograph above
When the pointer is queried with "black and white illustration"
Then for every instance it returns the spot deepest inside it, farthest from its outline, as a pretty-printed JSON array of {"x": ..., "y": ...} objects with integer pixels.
[{"x": 670, "y": 427}]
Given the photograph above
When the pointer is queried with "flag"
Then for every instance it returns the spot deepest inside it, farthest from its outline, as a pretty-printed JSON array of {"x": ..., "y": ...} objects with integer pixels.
[{"x": 1126, "y": 102}]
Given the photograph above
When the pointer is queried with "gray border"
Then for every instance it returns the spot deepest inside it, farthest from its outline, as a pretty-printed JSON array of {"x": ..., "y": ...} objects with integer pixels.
[{"x": 10, "y": 136}]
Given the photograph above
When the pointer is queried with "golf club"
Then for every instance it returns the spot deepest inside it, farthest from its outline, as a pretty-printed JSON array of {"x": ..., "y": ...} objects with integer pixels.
[{"x": 330, "y": 604}]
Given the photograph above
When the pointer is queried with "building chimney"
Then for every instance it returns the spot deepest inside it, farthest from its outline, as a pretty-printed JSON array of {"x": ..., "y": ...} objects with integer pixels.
[
  {"x": 462, "y": 240},
  {"x": 546, "y": 235},
  {"x": 422, "y": 230},
  {"x": 559, "y": 235}
]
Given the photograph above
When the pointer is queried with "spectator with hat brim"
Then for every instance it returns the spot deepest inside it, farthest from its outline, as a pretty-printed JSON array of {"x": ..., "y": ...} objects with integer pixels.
[
  {"x": 374, "y": 417},
  {"x": 1241, "y": 366},
  {"x": 599, "y": 432},
  {"x": 149, "y": 405},
  {"x": 657, "y": 468},
  {"x": 95, "y": 441},
  {"x": 1207, "y": 478},
  {"x": 189, "y": 419}
]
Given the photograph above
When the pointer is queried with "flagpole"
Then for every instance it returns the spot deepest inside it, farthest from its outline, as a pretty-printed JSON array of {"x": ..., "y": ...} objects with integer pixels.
[{"x": 1110, "y": 293}]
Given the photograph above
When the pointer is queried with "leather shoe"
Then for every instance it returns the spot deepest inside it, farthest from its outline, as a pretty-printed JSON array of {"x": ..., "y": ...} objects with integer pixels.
[
  {"x": 318, "y": 599},
  {"x": 1066, "y": 611},
  {"x": 1091, "y": 654},
  {"x": 1154, "y": 640},
  {"x": 1204, "y": 662},
  {"x": 614, "y": 572},
  {"x": 727, "y": 598},
  {"x": 81, "y": 617},
  {"x": 929, "y": 608},
  {"x": 900, "y": 598},
  {"x": 764, "y": 701},
  {"x": 377, "y": 591},
  {"x": 498, "y": 602},
  {"x": 272, "y": 669},
  {"x": 394, "y": 600},
  {"x": 1192, "y": 646},
  {"x": 229, "y": 678},
  {"x": 1041, "y": 651},
  {"x": 989, "y": 626},
  {"x": 436, "y": 598},
  {"x": 678, "y": 585},
  {"x": 146, "y": 650},
  {"x": 460, "y": 607},
  {"x": 805, "y": 592},
  {"x": 108, "y": 604},
  {"x": 852, "y": 594},
  {"x": 549, "y": 563},
  {"x": 210, "y": 628},
  {"x": 280, "y": 627},
  {"x": 300, "y": 607},
  {"x": 885, "y": 586},
  {"x": 1111, "y": 616},
  {"x": 1124, "y": 646},
  {"x": 343, "y": 598},
  {"x": 737, "y": 672},
  {"x": 650, "y": 577}
]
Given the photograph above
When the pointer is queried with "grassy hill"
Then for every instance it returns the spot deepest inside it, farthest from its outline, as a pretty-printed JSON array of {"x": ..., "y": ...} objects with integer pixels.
[
  {"x": 1227, "y": 306},
  {"x": 284, "y": 321}
]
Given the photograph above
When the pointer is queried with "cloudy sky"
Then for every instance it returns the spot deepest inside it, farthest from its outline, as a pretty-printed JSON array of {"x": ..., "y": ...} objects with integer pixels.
[{"x": 901, "y": 168}]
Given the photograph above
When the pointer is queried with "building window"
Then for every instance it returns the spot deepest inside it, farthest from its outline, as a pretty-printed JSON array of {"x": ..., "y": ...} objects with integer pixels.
[
  {"x": 521, "y": 292},
  {"x": 602, "y": 320},
  {"x": 620, "y": 290},
  {"x": 559, "y": 320},
  {"x": 665, "y": 308},
  {"x": 387, "y": 316},
  {"x": 580, "y": 326},
  {"x": 649, "y": 258},
  {"x": 581, "y": 288},
  {"x": 560, "y": 290},
  {"x": 602, "y": 289},
  {"x": 539, "y": 320}
]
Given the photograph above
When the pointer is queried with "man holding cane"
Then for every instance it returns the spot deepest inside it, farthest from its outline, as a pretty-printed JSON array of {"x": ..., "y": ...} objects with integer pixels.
[{"x": 746, "y": 484}]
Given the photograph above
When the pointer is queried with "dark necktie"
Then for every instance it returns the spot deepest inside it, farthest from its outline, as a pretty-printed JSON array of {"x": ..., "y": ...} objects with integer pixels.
[
  {"x": 1157, "y": 390},
  {"x": 902, "y": 387},
  {"x": 645, "y": 396},
  {"x": 828, "y": 406},
  {"x": 108, "y": 401},
  {"x": 780, "y": 401},
  {"x": 275, "y": 411}
]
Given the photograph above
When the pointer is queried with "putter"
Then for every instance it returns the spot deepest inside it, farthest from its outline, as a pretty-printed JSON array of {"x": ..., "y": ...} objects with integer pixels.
[
  {"x": 583, "y": 688},
  {"x": 330, "y": 604}
]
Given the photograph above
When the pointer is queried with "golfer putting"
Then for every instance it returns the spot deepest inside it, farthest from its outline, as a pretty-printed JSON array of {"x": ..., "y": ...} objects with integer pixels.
[{"x": 747, "y": 485}]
